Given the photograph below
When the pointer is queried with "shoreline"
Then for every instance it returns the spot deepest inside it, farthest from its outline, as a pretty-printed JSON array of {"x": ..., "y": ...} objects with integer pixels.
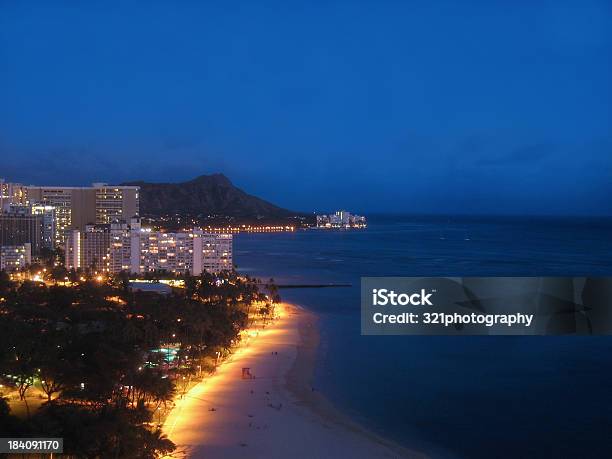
[
  {"x": 299, "y": 379},
  {"x": 275, "y": 414}
]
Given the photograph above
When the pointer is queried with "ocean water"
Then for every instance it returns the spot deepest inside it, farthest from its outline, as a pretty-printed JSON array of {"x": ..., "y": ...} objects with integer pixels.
[{"x": 464, "y": 397}]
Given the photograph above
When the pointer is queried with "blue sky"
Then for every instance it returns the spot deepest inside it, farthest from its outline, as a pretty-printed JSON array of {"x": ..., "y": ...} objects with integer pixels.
[{"x": 423, "y": 106}]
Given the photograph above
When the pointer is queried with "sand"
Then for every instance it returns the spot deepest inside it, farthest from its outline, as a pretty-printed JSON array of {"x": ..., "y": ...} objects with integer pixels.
[{"x": 276, "y": 414}]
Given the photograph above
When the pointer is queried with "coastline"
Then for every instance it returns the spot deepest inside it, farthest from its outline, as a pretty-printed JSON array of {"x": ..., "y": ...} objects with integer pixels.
[
  {"x": 276, "y": 414},
  {"x": 299, "y": 383}
]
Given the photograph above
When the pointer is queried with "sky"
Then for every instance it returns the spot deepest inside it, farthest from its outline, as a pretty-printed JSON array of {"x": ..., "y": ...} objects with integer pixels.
[{"x": 470, "y": 107}]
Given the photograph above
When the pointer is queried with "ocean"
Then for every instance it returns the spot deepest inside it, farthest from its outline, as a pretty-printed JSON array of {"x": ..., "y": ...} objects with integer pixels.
[{"x": 452, "y": 397}]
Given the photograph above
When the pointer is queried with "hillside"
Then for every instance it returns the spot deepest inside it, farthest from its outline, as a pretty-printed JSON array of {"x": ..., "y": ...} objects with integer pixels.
[{"x": 207, "y": 195}]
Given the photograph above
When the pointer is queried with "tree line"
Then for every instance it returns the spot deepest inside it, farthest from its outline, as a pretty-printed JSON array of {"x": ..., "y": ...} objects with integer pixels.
[{"x": 107, "y": 358}]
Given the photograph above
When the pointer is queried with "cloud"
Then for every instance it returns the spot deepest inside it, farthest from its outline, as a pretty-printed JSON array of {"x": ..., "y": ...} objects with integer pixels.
[{"x": 83, "y": 165}]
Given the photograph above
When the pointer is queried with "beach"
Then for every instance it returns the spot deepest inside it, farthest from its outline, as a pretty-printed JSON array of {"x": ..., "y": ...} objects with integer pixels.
[{"x": 276, "y": 413}]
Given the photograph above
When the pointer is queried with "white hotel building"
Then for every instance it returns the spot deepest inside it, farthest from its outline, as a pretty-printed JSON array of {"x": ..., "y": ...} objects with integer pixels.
[{"x": 139, "y": 250}]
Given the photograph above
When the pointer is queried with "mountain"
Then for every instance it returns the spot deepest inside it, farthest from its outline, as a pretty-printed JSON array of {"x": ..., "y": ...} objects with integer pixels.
[{"x": 213, "y": 195}]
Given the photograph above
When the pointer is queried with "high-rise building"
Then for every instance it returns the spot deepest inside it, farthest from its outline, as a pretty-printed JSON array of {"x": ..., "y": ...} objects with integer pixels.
[
  {"x": 12, "y": 194},
  {"x": 15, "y": 230},
  {"x": 18, "y": 228},
  {"x": 128, "y": 247},
  {"x": 14, "y": 257},
  {"x": 63, "y": 199},
  {"x": 166, "y": 251},
  {"x": 49, "y": 237},
  {"x": 125, "y": 247},
  {"x": 89, "y": 249},
  {"x": 115, "y": 203},
  {"x": 69, "y": 208},
  {"x": 72, "y": 249},
  {"x": 216, "y": 251},
  {"x": 77, "y": 207}
]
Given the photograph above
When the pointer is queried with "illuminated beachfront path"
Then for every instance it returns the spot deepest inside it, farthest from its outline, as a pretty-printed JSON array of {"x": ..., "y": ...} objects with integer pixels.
[{"x": 228, "y": 417}]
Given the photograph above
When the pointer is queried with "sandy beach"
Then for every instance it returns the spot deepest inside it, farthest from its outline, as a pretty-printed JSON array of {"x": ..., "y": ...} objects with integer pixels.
[{"x": 276, "y": 414}]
